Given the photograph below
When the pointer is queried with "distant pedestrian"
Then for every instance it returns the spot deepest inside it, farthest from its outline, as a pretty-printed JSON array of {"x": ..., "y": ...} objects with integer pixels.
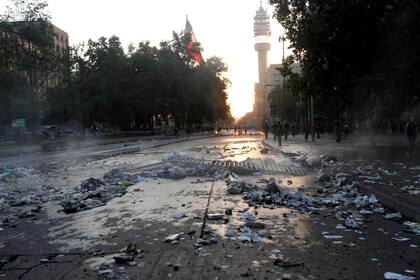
[
  {"x": 346, "y": 130},
  {"x": 294, "y": 129},
  {"x": 274, "y": 129},
  {"x": 265, "y": 128},
  {"x": 411, "y": 131},
  {"x": 279, "y": 132},
  {"x": 286, "y": 128}
]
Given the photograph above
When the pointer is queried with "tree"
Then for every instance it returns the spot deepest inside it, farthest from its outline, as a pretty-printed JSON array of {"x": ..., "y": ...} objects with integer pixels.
[
  {"x": 114, "y": 89},
  {"x": 356, "y": 55},
  {"x": 28, "y": 55}
]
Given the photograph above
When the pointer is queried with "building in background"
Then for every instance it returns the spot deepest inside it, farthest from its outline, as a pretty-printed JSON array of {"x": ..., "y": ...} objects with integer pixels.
[
  {"x": 20, "y": 33},
  {"x": 273, "y": 79},
  {"x": 262, "y": 45}
]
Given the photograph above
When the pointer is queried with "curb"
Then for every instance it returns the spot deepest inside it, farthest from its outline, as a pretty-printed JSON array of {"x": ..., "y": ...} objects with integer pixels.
[{"x": 406, "y": 208}]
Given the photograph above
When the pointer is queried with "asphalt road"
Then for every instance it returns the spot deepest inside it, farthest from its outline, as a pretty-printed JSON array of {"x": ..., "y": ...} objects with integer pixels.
[{"x": 55, "y": 245}]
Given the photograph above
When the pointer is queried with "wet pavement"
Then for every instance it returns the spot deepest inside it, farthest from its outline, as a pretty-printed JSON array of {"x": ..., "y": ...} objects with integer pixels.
[{"x": 263, "y": 239}]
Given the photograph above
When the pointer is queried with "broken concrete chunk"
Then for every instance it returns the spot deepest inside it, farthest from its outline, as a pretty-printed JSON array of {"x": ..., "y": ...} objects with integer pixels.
[
  {"x": 412, "y": 227},
  {"x": 313, "y": 161},
  {"x": 177, "y": 172},
  {"x": 272, "y": 187},
  {"x": 205, "y": 242},
  {"x": 172, "y": 237},
  {"x": 264, "y": 150},
  {"x": 286, "y": 263},
  {"x": 252, "y": 224},
  {"x": 352, "y": 223},
  {"x": 393, "y": 216},
  {"x": 92, "y": 184},
  {"x": 178, "y": 215},
  {"x": 123, "y": 259},
  {"x": 373, "y": 199},
  {"x": 215, "y": 217}
]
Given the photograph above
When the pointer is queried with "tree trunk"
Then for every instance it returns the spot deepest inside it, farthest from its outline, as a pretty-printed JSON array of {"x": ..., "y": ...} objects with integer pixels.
[{"x": 372, "y": 139}]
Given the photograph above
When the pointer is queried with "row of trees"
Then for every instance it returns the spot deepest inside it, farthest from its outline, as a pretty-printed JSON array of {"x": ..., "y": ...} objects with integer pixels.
[
  {"x": 359, "y": 58},
  {"x": 102, "y": 84},
  {"x": 111, "y": 87}
]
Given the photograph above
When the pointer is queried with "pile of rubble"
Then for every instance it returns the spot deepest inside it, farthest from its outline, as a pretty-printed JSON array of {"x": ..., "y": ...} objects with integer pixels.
[
  {"x": 175, "y": 170},
  {"x": 95, "y": 192},
  {"x": 10, "y": 174},
  {"x": 337, "y": 195},
  {"x": 18, "y": 199}
]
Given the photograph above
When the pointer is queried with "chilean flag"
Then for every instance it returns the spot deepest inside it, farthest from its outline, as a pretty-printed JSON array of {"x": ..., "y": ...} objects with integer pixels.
[{"x": 194, "y": 51}]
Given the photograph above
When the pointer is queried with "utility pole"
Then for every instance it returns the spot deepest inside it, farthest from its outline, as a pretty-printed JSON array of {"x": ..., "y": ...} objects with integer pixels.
[
  {"x": 312, "y": 119},
  {"x": 300, "y": 113},
  {"x": 282, "y": 39}
]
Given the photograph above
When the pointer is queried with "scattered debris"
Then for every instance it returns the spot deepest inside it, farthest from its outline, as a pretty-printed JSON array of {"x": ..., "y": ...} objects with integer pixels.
[
  {"x": 172, "y": 237},
  {"x": 286, "y": 262},
  {"x": 206, "y": 241},
  {"x": 393, "y": 216},
  {"x": 314, "y": 161},
  {"x": 215, "y": 217},
  {"x": 412, "y": 227},
  {"x": 264, "y": 150},
  {"x": 401, "y": 239},
  {"x": 179, "y": 215},
  {"x": 123, "y": 259},
  {"x": 396, "y": 276}
]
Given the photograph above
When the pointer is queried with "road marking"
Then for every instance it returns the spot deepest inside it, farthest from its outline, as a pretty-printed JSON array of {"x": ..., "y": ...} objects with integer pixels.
[{"x": 255, "y": 165}]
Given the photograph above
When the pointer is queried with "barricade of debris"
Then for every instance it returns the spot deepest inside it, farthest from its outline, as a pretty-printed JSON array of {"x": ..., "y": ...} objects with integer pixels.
[
  {"x": 10, "y": 174},
  {"x": 178, "y": 167},
  {"x": 337, "y": 195},
  {"x": 18, "y": 199},
  {"x": 95, "y": 192}
]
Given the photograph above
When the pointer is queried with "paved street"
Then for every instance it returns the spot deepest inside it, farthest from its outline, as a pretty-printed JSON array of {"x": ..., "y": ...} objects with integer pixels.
[{"x": 215, "y": 196}]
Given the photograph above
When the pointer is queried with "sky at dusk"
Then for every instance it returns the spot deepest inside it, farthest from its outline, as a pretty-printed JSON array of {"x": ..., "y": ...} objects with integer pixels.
[{"x": 223, "y": 27}]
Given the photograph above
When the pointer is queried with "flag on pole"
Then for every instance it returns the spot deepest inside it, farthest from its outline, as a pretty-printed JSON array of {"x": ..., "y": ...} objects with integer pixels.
[{"x": 192, "y": 49}]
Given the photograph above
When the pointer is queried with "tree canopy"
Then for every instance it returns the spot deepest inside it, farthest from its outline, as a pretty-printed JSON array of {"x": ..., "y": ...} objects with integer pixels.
[
  {"x": 100, "y": 83},
  {"x": 357, "y": 56}
]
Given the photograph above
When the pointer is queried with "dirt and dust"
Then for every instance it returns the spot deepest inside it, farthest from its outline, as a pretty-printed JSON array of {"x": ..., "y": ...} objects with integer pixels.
[{"x": 291, "y": 233}]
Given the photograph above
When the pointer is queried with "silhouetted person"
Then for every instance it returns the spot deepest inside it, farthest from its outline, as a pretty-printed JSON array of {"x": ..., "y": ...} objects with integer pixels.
[
  {"x": 279, "y": 132},
  {"x": 176, "y": 132},
  {"x": 293, "y": 129},
  {"x": 346, "y": 130},
  {"x": 265, "y": 128},
  {"x": 411, "y": 131},
  {"x": 286, "y": 129},
  {"x": 274, "y": 128}
]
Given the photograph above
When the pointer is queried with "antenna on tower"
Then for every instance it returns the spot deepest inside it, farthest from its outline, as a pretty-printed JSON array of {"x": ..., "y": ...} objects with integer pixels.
[{"x": 260, "y": 3}]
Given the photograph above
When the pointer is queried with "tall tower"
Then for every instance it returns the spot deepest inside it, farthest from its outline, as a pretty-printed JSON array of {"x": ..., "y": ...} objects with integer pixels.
[{"x": 262, "y": 35}]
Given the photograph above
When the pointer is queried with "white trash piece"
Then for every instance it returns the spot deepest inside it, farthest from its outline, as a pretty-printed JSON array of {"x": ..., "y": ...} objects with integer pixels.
[{"x": 396, "y": 276}]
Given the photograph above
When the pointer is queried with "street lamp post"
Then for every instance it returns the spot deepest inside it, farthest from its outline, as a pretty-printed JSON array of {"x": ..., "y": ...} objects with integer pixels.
[{"x": 282, "y": 39}]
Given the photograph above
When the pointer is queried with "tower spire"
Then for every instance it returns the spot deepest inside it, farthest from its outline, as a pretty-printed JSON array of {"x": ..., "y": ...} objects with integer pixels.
[{"x": 261, "y": 4}]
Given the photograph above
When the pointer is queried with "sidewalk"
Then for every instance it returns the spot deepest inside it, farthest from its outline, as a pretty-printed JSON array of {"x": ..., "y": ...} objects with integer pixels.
[{"x": 384, "y": 171}]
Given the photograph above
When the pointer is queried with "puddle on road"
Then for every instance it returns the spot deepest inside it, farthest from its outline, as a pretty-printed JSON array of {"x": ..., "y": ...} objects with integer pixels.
[
  {"x": 155, "y": 200},
  {"x": 283, "y": 224},
  {"x": 233, "y": 149}
]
